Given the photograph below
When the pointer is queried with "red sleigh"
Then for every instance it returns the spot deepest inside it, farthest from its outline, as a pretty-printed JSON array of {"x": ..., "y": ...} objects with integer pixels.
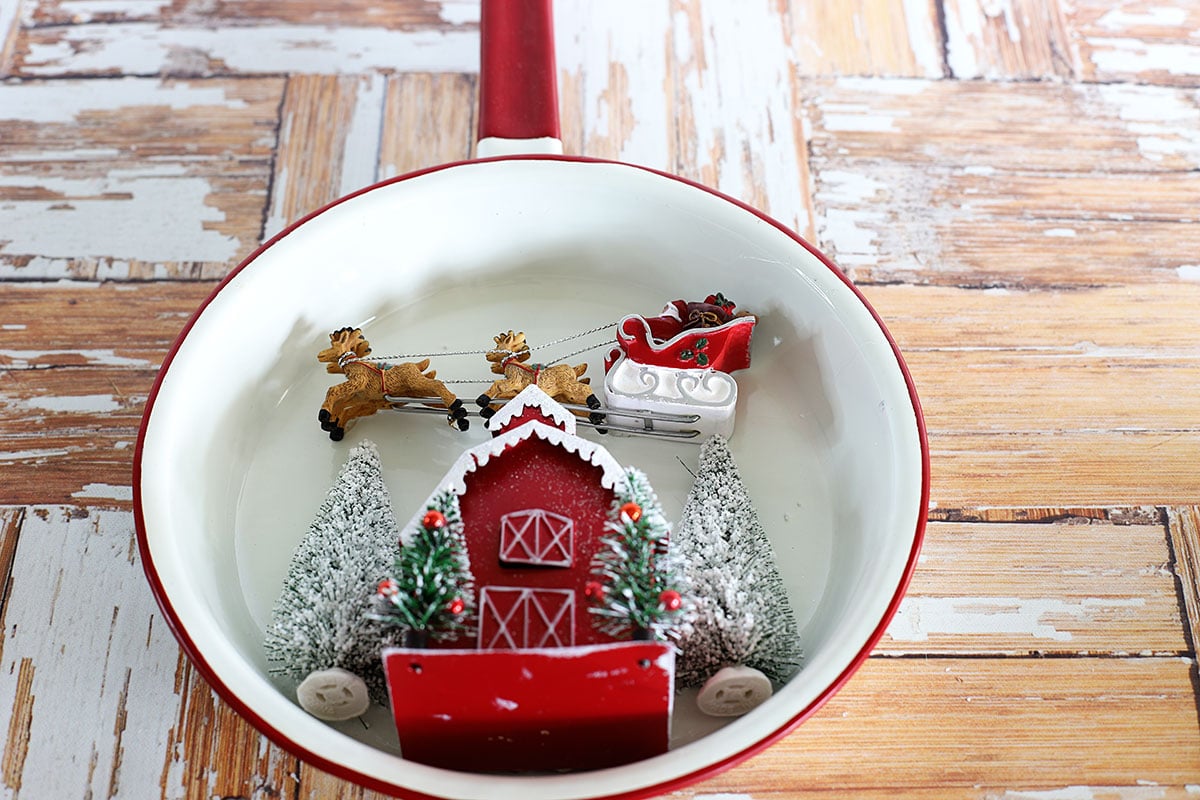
[{"x": 705, "y": 335}]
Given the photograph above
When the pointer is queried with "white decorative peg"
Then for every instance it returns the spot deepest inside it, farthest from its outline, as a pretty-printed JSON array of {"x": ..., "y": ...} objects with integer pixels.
[
  {"x": 733, "y": 691},
  {"x": 333, "y": 694}
]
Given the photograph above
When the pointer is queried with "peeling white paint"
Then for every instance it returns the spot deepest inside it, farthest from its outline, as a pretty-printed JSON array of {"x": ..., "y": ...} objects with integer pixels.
[
  {"x": 104, "y": 491},
  {"x": 64, "y": 102},
  {"x": 964, "y": 31},
  {"x": 1118, "y": 19},
  {"x": 1060, "y": 233},
  {"x": 858, "y": 118},
  {"x": 853, "y": 235},
  {"x": 82, "y": 11},
  {"x": 1143, "y": 792},
  {"x": 149, "y": 48},
  {"x": 24, "y": 359},
  {"x": 592, "y": 37},
  {"x": 1166, "y": 121},
  {"x": 926, "y": 49},
  {"x": 921, "y": 617},
  {"x": 840, "y": 186},
  {"x": 78, "y": 404},
  {"x": 1128, "y": 56},
  {"x": 33, "y": 455},
  {"x": 980, "y": 170},
  {"x": 13, "y": 326},
  {"x": 460, "y": 12},
  {"x": 360, "y": 152},
  {"x": 154, "y": 213},
  {"x": 739, "y": 98},
  {"x": 1188, "y": 272},
  {"x": 900, "y": 87}
]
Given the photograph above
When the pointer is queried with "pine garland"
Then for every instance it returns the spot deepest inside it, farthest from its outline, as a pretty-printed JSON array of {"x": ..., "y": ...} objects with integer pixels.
[
  {"x": 743, "y": 615},
  {"x": 431, "y": 593},
  {"x": 318, "y": 620},
  {"x": 639, "y": 586}
]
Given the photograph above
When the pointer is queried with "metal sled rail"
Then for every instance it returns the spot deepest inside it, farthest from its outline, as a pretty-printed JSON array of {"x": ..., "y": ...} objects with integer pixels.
[{"x": 645, "y": 419}]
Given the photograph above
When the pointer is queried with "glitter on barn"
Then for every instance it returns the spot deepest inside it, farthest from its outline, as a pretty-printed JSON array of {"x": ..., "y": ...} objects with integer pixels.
[{"x": 538, "y": 686}]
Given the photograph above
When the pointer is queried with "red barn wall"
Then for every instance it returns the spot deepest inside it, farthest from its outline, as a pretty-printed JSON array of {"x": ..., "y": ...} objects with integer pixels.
[{"x": 537, "y": 474}]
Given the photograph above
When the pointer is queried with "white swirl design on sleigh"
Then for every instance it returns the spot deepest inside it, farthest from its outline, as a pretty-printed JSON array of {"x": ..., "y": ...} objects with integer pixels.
[{"x": 660, "y": 364}]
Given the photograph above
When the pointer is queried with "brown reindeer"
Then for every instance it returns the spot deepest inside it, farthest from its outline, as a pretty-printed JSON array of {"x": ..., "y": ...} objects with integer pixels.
[
  {"x": 560, "y": 381},
  {"x": 368, "y": 384}
]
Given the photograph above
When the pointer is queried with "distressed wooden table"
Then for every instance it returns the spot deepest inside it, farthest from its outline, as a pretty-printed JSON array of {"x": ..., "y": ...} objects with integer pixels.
[{"x": 1015, "y": 185}]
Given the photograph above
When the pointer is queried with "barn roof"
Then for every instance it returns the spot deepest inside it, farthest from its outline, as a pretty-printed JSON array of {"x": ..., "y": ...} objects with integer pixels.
[
  {"x": 612, "y": 473},
  {"x": 532, "y": 397}
]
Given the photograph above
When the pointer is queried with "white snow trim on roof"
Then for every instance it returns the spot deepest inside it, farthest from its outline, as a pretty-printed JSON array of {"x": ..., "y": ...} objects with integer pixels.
[
  {"x": 532, "y": 397},
  {"x": 612, "y": 477}
]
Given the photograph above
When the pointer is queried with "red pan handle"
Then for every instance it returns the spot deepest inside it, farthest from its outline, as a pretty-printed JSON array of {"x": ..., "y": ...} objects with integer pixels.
[{"x": 518, "y": 81}]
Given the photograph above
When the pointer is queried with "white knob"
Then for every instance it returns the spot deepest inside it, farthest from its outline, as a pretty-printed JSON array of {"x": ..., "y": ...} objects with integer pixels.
[
  {"x": 333, "y": 694},
  {"x": 733, "y": 691}
]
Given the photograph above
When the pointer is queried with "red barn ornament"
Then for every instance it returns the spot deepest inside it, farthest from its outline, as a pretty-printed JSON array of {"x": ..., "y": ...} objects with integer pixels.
[{"x": 538, "y": 686}]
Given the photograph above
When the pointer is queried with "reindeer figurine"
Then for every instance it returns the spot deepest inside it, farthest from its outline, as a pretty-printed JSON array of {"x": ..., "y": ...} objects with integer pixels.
[
  {"x": 368, "y": 384},
  {"x": 560, "y": 381}
]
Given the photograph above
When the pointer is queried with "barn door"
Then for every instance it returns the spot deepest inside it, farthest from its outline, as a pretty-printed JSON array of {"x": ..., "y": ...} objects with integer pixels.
[{"x": 514, "y": 617}]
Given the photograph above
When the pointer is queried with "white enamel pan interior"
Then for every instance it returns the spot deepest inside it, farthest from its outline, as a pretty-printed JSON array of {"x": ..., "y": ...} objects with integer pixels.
[{"x": 231, "y": 463}]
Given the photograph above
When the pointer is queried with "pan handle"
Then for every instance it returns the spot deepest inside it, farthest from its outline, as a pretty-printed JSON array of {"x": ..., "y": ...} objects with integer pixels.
[{"x": 518, "y": 81}]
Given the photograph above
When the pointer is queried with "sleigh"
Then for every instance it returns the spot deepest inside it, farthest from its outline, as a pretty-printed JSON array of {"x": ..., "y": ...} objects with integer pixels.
[{"x": 679, "y": 363}]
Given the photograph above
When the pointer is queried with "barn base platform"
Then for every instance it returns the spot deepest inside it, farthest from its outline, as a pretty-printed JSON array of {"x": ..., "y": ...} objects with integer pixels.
[{"x": 563, "y": 708}]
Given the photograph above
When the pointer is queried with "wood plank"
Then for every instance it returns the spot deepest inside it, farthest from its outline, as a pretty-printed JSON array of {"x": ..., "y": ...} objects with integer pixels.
[
  {"x": 1143, "y": 41},
  {"x": 866, "y": 37},
  {"x": 1184, "y": 527},
  {"x": 398, "y": 14},
  {"x": 1018, "y": 39},
  {"x": 428, "y": 119},
  {"x": 1068, "y": 586},
  {"x": 328, "y": 143},
  {"x": 68, "y": 435},
  {"x": 203, "y": 47},
  {"x": 1022, "y": 390},
  {"x": 626, "y": 94},
  {"x": 904, "y": 192},
  {"x": 85, "y": 189},
  {"x": 77, "y": 362},
  {"x": 1062, "y": 468},
  {"x": 983, "y": 727},
  {"x": 78, "y": 324},
  {"x": 107, "y": 657}
]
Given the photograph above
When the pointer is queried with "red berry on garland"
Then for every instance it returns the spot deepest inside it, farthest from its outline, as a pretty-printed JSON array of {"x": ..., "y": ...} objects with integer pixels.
[
  {"x": 593, "y": 590},
  {"x": 387, "y": 588},
  {"x": 433, "y": 520},
  {"x": 671, "y": 600},
  {"x": 631, "y": 510},
  {"x": 456, "y": 606}
]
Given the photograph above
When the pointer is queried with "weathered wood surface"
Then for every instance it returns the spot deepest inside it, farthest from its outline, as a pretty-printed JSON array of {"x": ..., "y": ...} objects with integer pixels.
[{"x": 1013, "y": 184}]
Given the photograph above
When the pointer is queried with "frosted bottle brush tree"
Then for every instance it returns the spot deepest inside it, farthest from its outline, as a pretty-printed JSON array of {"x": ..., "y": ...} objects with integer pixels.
[
  {"x": 431, "y": 592},
  {"x": 743, "y": 615},
  {"x": 638, "y": 586},
  {"x": 319, "y": 633}
]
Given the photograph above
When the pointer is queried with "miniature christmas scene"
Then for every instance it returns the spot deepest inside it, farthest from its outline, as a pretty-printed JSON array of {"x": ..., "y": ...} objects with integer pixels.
[{"x": 538, "y": 611}]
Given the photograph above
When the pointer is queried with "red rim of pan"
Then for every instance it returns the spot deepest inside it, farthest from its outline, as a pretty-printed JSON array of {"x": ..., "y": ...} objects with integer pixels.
[{"x": 671, "y": 784}]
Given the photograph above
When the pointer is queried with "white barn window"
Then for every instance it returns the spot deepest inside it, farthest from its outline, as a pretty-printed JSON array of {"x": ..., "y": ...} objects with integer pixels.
[{"x": 537, "y": 537}]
